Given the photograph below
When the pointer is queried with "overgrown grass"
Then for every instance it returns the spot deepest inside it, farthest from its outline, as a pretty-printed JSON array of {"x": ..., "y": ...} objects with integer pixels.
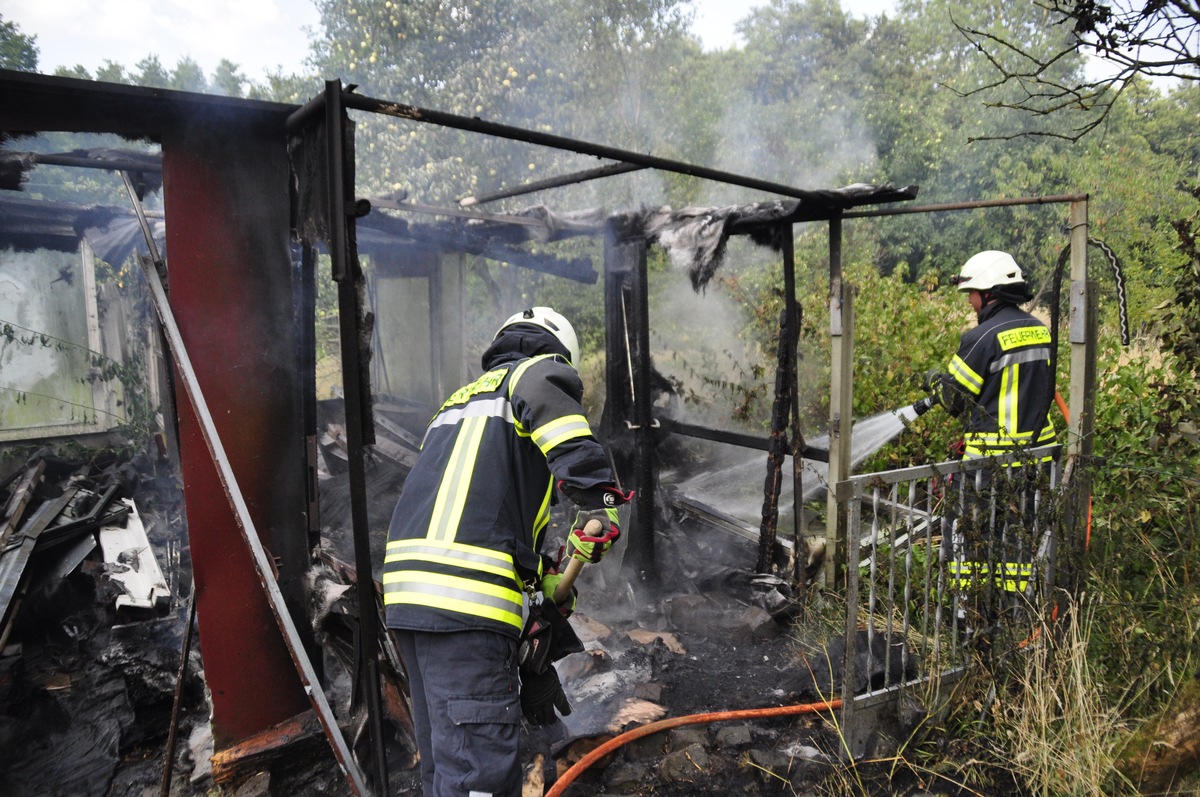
[{"x": 1056, "y": 720}]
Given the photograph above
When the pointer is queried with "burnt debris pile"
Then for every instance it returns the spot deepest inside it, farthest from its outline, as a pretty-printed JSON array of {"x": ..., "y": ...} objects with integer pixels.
[{"x": 94, "y": 582}]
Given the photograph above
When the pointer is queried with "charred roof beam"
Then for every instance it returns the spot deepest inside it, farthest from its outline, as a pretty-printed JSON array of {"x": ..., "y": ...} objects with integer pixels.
[{"x": 820, "y": 199}]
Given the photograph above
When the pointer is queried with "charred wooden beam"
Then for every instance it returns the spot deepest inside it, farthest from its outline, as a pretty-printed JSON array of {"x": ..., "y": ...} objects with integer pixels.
[
  {"x": 15, "y": 556},
  {"x": 552, "y": 182},
  {"x": 105, "y": 158},
  {"x": 290, "y": 744},
  {"x": 354, "y": 326},
  {"x": 821, "y": 202},
  {"x": 947, "y": 206},
  {"x": 18, "y": 500}
]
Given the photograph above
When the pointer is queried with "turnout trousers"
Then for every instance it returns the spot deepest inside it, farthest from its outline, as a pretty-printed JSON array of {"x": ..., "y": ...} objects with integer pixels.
[{"x": 466, "y": 711}]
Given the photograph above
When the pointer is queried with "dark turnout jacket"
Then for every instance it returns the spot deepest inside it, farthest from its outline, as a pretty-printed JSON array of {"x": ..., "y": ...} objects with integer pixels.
[
  {"x": 464, "y": 537},
  {"x": 1001, "y": 373}
]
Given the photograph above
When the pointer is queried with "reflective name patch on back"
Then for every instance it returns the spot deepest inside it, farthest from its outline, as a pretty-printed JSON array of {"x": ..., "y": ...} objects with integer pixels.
[
  {"x": 1024, "y": 336},
  {"x": 484, "y": 384}
]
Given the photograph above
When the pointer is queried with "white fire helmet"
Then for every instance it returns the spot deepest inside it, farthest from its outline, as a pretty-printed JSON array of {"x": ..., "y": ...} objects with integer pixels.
[
  {"x": 988, "y": 270},
  {"x": 547, "y": 319}
]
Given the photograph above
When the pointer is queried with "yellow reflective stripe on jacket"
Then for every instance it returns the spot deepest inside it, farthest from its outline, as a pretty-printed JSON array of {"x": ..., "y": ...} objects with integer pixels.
[
  {"x": 512, "y": 383},
  {"x": 520, "y": 371},
  {"x": 1010, "y": 576},
  {"x": 455, "y": 554},
  {"x": 453, "y": 593},
  {"x": 965, "y": 375},
  {"x": 1006, "y": 410},
  {"x": 543, "y": 517},
  {"x": 452, "y": 492},
  {"x": 560, "y": 430}
]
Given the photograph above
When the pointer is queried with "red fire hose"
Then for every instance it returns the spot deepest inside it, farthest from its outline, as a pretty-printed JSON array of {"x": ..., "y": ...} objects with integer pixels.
[{"x": 582, "y": 764}]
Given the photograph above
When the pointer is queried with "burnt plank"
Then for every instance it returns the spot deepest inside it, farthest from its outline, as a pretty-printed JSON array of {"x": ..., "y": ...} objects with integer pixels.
[
  {"x": 15, "y": 557},
  {"x": 21, "y": 495}
]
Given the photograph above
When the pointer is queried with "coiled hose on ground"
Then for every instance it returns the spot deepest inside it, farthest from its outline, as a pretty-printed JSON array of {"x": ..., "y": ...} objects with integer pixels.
[{"x": 582, "y": 765}]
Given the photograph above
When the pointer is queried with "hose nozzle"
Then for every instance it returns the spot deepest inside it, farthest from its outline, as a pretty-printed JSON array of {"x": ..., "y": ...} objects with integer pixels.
[{"x": 923, "y": 406}]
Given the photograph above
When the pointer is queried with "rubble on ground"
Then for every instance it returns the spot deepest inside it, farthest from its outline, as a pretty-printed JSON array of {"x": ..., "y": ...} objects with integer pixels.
[{"x": 91, "y": 662}]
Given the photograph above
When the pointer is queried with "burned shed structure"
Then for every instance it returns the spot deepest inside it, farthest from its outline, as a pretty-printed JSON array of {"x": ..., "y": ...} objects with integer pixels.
[{"x": 257, "y": 197}]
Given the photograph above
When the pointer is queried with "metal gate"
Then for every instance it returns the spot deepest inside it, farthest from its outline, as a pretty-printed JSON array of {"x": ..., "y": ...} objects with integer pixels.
[{"x": 941, "y": 561}]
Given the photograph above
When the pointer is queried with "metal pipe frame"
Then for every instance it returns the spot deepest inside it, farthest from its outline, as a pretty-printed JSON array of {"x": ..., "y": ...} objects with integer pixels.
[
  {"x": 973, "y": 205},
  {"x": 904, "y": 514}
]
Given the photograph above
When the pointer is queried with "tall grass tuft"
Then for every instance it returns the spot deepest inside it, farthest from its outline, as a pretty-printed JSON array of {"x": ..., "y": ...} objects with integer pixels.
[{"x": 1056, "y": 719}]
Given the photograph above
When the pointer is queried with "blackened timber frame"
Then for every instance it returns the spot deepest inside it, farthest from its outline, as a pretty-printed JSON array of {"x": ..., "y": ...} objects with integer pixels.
[
  {"x": 241, "y": 426},
  {"x": 626, "y": 282}
]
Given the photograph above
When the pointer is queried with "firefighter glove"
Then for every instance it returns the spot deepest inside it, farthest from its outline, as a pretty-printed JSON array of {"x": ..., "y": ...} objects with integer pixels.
[
  {"x": 549, "y": 585},
  {"x": 598, "y": 496},
  {"x": 943, "y": 390},
  {"x": 588, "y": 540},
  {"x": 541, "y": 695},
  {"x": 931, "y": 383}
]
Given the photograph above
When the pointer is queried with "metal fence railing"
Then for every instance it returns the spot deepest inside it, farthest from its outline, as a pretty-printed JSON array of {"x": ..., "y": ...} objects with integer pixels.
[{"x": 941, "y": 560}]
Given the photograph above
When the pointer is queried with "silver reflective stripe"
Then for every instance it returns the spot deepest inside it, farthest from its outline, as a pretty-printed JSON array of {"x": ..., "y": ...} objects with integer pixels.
[
  {"x": 445, "y": 592},
  {"x": 477, "y": 560},
  {"x": 456, "y": 480},
  {"x": 1041, "y": 353},
  {"x": 553, "y": 433},
  {"x": 417, "y": 547},
  {"x": 489, "y": 408}
]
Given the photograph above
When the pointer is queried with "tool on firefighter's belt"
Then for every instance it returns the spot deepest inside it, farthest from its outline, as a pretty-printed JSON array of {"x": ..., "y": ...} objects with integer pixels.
[{"x": 547, "y": 637}]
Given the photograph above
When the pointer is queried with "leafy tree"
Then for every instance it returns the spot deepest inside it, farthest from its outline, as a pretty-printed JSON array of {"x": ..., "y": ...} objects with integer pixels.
[
  {"x": 585, "y": 70},
  {"x": 17, "y": 51},
  {"x": 152, "y": 73},
  {"x": 78, "y": 71},
  {"x": 278, "y": 87},
  {"x": 112, "y": 72},
  {"x": 188, "y": 76},
  {"x": 228, "y": 79}
]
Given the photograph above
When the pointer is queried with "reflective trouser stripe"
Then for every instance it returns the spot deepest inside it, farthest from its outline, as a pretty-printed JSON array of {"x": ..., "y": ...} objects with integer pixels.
[
  {"x": 453, "y": 593},
  {"x": 982, "y": 444},
  {"x": 1010, "y": 576}
]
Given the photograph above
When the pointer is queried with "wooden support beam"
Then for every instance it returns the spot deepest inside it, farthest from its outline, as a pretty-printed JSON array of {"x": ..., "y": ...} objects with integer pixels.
[{"x": 290, "y": 743}]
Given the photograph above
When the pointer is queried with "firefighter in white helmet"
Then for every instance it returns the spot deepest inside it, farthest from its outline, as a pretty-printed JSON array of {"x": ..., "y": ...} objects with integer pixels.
[
  {"x": 1000, "y": 384},
  {"x": 463, "y": 555}
]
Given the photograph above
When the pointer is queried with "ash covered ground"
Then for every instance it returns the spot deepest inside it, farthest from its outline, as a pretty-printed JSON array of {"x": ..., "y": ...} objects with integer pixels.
[{"x": 86, "y": 692}]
